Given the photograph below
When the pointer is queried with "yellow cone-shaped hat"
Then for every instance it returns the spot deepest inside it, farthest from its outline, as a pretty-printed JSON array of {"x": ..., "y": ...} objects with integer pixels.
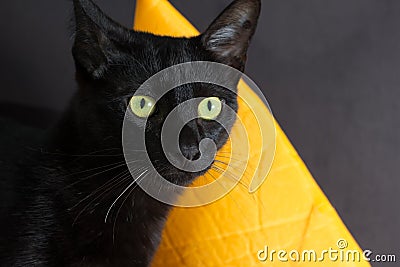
[{"x": 288, "y": 212}]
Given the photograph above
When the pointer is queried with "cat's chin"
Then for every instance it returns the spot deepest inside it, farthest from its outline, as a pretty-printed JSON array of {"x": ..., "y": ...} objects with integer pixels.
[{"x": 183, "y": 178}]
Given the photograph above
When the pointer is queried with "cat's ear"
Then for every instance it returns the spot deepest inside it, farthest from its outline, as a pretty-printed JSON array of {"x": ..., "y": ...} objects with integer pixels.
[
  {"x": 228, "y": 37},
  {"x": 95, "y": 38}
]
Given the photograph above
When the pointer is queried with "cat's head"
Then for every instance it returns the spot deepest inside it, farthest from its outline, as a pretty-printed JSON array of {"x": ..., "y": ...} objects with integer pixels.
[{"x": 113, "y": 61}]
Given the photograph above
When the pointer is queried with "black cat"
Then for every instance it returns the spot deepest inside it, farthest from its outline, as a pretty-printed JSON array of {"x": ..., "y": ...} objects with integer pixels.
[{"x": 56, "y": 195}]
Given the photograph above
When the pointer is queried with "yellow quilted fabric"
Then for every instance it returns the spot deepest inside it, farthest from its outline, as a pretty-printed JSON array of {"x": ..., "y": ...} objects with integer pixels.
[{"x": 288, "y": 212}]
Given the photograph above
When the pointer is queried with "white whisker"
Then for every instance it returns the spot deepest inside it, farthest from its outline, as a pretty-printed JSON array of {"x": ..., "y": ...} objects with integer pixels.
[{"x": 123, "y": 192}]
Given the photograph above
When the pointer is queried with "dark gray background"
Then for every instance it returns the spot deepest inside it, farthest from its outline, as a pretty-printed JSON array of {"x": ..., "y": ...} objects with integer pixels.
[{"x": 329, "y": 68}]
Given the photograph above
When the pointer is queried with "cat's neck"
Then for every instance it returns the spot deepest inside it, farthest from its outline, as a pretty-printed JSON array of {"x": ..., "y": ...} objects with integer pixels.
[{"x": 104, "y": 206}]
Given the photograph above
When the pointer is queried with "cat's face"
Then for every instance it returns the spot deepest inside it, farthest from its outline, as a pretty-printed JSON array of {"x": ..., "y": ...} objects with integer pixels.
[{"x": 112, "y": 62}]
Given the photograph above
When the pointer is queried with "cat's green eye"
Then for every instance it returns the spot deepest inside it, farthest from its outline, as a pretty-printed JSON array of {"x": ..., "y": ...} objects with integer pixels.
[
  {"x": 209, "y": 108},
  {"x": 142, "y": 106}
]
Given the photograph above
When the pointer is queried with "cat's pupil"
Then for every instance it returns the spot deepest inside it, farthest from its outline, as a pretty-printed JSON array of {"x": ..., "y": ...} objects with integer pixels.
[
  {"x": 142, "y": 103},
  {"x": 209, "y": 105}
]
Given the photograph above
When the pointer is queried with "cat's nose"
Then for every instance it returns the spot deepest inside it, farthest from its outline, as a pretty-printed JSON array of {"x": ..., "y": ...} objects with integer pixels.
[
  {"x": 189, "y": 141},
  {"x": 190, "y": 152}
]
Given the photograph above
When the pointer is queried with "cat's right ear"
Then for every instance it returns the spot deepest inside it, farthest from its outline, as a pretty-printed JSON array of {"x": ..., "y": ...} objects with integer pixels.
[
  {"x": 228, "y": 37},
  {"x": 95, "y": 38}
]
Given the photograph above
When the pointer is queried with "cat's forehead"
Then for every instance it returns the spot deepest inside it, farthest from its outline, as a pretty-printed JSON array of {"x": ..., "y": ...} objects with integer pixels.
[
  {"x": 151, "y": 55},
  {"x": 141, "y": 59},
  {"x": 161, "y": 52}
]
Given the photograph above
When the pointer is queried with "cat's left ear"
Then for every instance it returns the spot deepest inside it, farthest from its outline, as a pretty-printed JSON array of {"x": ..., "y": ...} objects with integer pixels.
[
  {"x": 228, "y": 37},
  {"x": 96, "y": 38}
]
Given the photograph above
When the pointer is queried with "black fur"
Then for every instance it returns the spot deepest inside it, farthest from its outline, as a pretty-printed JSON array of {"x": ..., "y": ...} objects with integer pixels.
[{"x": 56, "y": 191}]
